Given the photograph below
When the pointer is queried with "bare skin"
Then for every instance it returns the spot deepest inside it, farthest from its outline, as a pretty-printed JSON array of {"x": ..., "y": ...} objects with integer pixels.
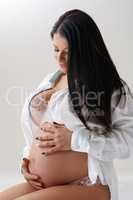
[
  {"x": 60, "y": 167},
  {"x": 24, "y": 191},
  {"x": 39, "y": 183}
]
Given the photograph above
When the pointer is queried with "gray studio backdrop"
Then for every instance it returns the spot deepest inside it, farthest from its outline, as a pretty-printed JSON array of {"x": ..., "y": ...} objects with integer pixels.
[{"x": 26, "y": 56}]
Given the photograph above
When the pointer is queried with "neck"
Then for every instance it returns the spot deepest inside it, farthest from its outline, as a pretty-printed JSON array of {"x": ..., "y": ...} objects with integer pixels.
[{"x": 64, "y": 80}]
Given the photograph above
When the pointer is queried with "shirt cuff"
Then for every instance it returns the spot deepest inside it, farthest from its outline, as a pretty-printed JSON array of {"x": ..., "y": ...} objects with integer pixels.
[{"x": 80, "y": 141}]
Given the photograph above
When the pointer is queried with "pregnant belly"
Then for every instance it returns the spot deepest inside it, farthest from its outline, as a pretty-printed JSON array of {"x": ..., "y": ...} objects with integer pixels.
[{"x": 59, "y": 167}]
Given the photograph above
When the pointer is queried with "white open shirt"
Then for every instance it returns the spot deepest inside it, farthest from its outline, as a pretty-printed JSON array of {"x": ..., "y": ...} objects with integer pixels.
[{"x": 101, "y": 150}]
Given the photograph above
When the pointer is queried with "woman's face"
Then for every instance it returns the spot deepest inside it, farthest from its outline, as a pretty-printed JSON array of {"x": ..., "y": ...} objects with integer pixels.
[{"x": 60, "y": 51}]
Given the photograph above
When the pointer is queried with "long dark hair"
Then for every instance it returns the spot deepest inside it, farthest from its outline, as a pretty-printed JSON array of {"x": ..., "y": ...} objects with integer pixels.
[{"x": 90, "y": 68}]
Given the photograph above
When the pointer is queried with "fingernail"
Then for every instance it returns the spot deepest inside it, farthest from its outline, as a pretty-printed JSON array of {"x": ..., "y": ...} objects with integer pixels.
[
  {"x": 43, "y": 153},
  {"x": 58, "y": 124},
  {"x": 55, "y": 122}
]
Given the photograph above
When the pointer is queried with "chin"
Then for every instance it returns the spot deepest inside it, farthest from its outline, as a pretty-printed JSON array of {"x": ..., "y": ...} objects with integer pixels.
[{"x": 64, "y": 70}]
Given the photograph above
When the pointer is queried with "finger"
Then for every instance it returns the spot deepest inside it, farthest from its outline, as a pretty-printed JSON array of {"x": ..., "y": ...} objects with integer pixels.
[
  {"x": 51, "y": 150},
  {"x": 36, "y": 183},
  {"x": 29, "y": 176},
  {"x": 48, "y": 129},
  {"x": 25, "y": 164},
  {"x": 46, "y": 144},
  {"x": 26, "y": 173},
  {"x": 46, "y": 136},
  {"x": 58, "y": 124},
  {"x": 35, "y": 186},
  {"x": 45, "y": 124},
  {"x": 25, "y": 169},
  {"x": 51, "y": 128}
]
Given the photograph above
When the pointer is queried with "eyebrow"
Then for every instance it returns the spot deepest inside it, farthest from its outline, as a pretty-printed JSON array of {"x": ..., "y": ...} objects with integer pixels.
[{"x": 57, "y": 47}]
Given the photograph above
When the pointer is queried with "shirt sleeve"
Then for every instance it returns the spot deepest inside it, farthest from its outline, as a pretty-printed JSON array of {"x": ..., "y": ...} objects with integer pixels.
[{"x": 118, "y": 145}]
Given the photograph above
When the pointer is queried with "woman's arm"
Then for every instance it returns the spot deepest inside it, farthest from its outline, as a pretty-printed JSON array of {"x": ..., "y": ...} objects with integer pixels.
[{"x": 120, "y": 142}]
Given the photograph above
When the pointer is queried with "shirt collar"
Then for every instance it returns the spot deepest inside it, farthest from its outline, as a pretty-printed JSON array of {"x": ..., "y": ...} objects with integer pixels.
[{"x": 55, "y": 76}]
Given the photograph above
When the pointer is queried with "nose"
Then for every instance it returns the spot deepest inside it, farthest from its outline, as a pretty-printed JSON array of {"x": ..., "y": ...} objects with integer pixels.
[{"x": 61, "y": 58}]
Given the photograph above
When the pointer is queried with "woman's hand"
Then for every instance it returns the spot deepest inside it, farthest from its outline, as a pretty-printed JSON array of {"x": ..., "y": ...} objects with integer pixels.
[
  {"x": 56, "y": 137},
  {"x": 33, "y": 179}
]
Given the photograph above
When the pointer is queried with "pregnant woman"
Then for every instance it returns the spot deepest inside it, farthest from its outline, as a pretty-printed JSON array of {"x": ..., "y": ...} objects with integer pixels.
[
  {"x": 77, "y": 121},
  {"x": 64, "y": 166}
]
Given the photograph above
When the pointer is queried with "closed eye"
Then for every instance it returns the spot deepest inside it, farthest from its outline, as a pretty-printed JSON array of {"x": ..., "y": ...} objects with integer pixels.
[{"x": 57, "y": 50}]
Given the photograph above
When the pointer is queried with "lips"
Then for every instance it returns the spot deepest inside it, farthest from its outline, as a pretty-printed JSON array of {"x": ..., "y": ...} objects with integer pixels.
[{"x": 62, "y": 65}]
